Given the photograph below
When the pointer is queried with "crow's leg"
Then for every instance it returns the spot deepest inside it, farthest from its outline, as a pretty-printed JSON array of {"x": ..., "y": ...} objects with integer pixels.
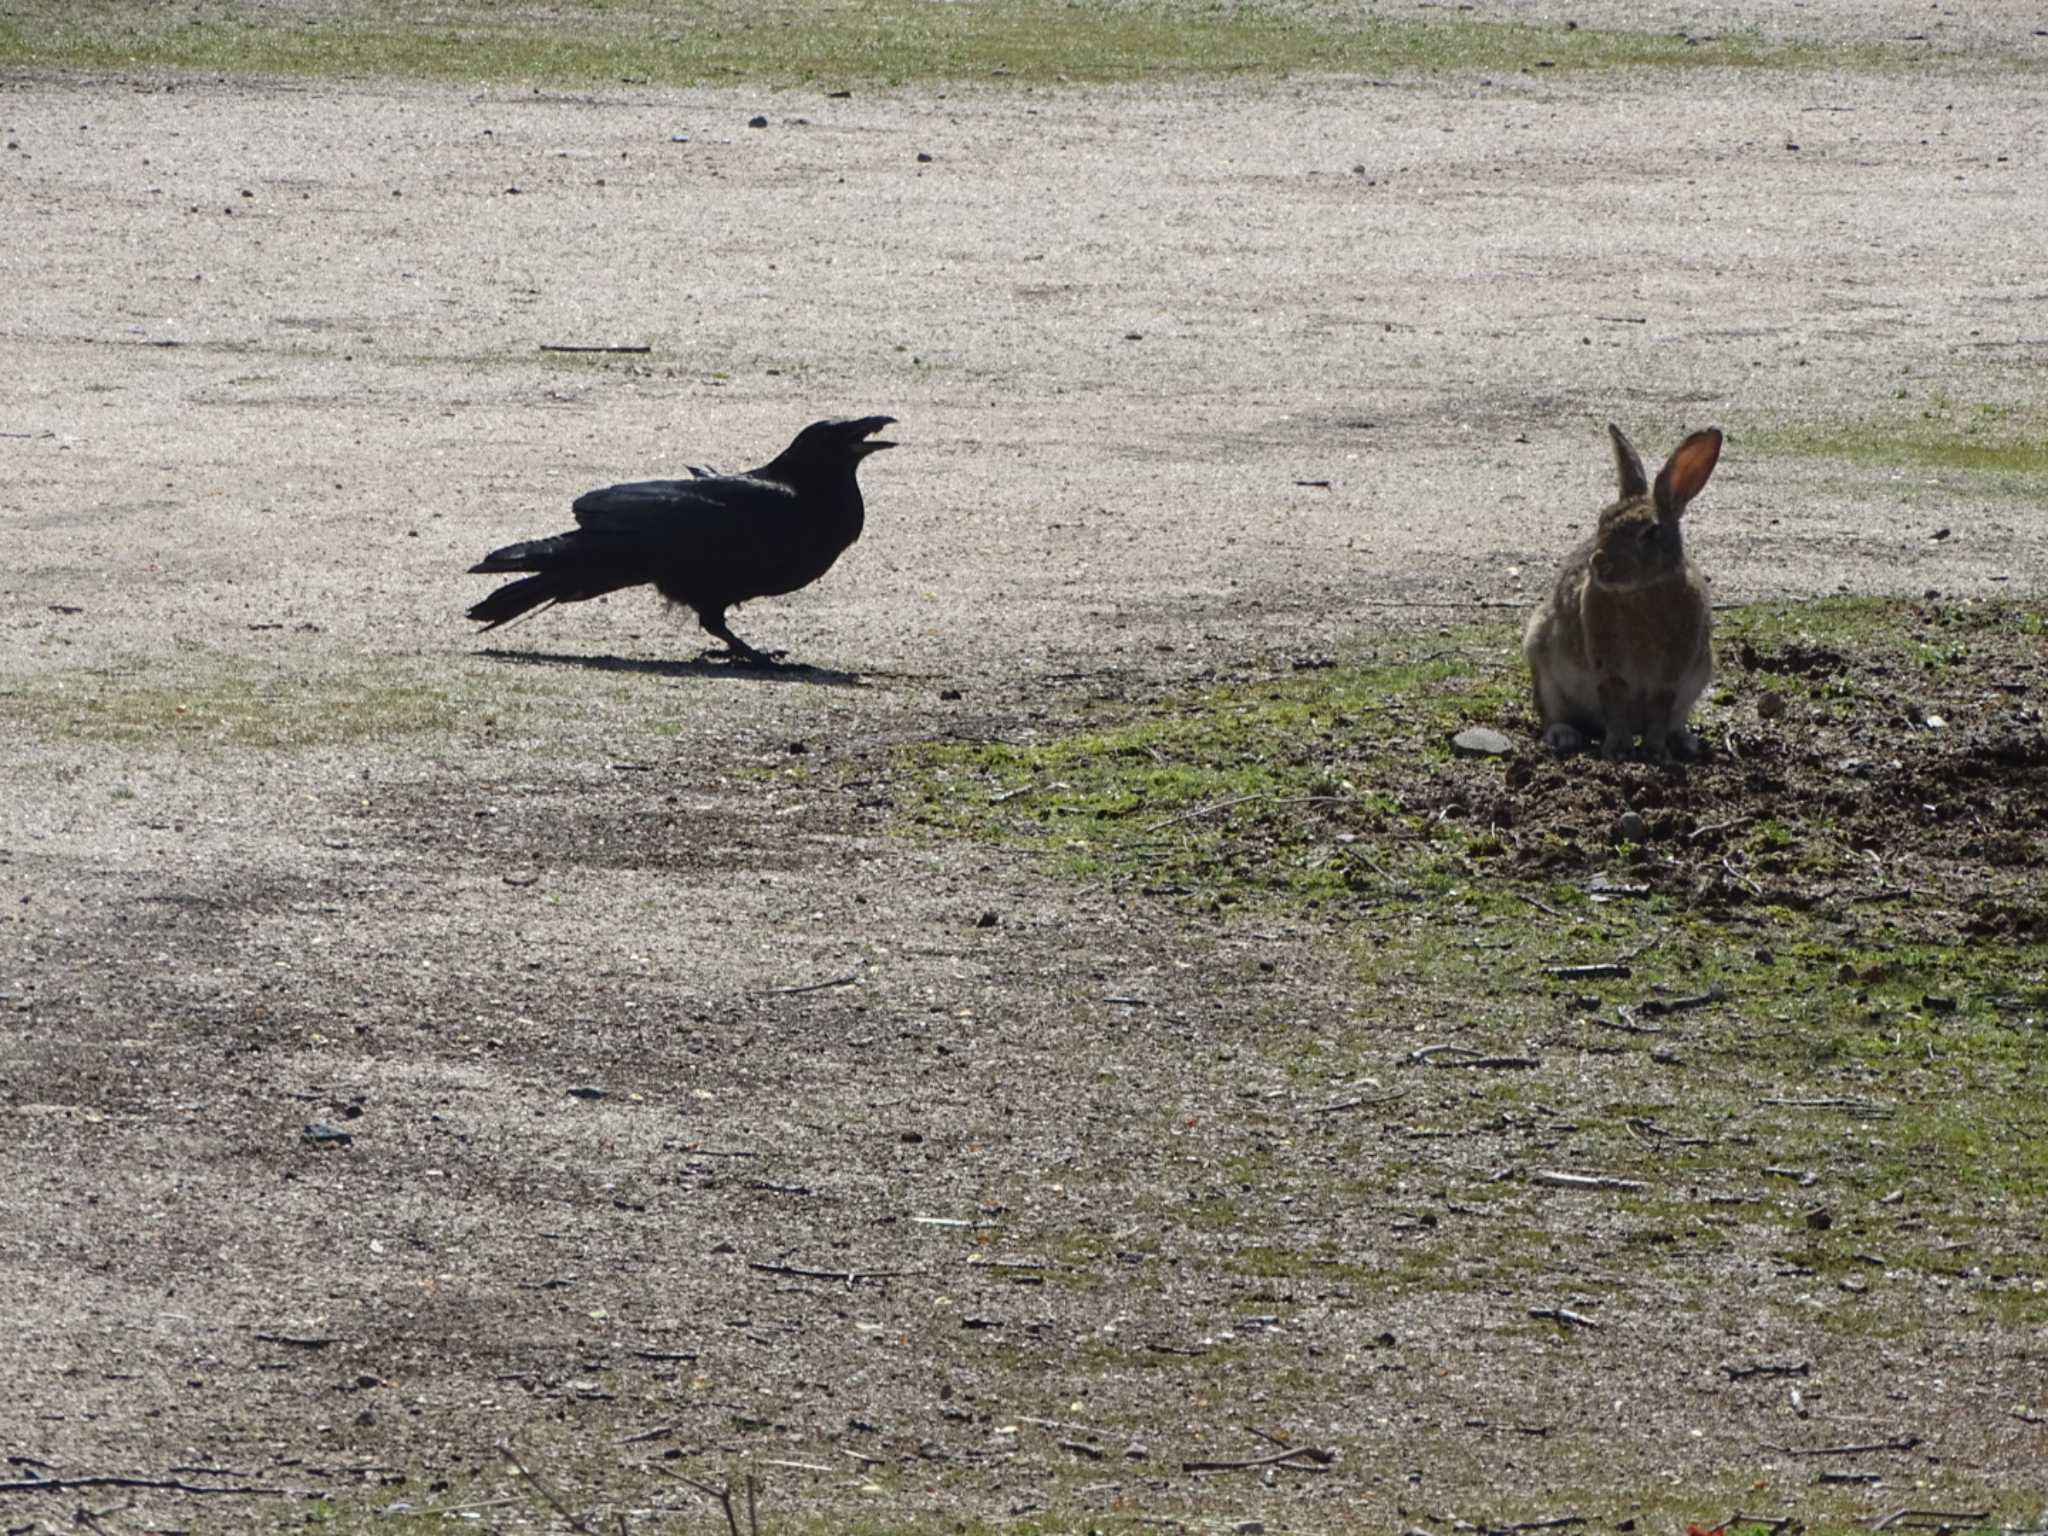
[{"x": 737, "y": 649}]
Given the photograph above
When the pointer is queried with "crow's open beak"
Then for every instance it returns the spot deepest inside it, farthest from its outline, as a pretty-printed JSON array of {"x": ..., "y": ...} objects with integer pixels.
[{"x": 868, "y": 426}]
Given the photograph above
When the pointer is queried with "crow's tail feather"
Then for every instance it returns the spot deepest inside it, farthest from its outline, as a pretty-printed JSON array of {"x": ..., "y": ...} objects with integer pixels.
[
  {"x": 515, "y": 598},
  {"x": 527, "y": 555}
]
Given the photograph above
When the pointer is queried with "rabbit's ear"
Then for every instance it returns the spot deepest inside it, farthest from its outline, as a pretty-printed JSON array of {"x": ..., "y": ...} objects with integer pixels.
[
  {"x": 1628, "y": 464},
  {"x": 1684, "y": 475}
]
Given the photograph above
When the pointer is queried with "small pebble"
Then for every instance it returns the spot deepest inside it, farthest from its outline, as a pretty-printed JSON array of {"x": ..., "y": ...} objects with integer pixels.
[{"x": 757, "y": 122}]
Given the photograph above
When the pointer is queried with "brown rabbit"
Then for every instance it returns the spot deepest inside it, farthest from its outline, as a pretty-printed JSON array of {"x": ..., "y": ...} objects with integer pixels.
[{"x": 1620, "y": 648}]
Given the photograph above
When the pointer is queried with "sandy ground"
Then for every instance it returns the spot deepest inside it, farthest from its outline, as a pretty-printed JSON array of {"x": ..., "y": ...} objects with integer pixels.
[{"x": 275, "y": 383}]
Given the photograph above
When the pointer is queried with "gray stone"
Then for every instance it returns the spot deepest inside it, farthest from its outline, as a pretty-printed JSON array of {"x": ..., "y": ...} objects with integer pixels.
[{"x": 1478, "y": 741}]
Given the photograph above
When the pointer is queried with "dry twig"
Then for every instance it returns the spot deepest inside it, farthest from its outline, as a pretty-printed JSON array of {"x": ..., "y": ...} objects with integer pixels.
[
  {"x": 1223, "y": 805},
  {"x": 1901, "y": 1443},
  {"x": 1566, "y": 1316},
  {"x": 1714, "y": 994},
  {"x": 1552, "y": 1179},
  {"x": 847, "y": 1277},
  {"x": 1316, "y": 1461},
  {"x": 721, "y": 1493},
  {"x": 1941, "y": 1518},
  {"x": 1342, "y": 1104},
  {"x": 114, "y": 1480},
  {"x": 1745, "y": 1372},
  {"x": 553, "y": 1500},
  {"x": 1471, "y": 1059},
  {"x": 811, "y": 986}
]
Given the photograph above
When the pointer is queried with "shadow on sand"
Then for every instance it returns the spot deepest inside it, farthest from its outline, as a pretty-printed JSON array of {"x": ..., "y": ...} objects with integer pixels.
[{"x": 707, "y": 665}]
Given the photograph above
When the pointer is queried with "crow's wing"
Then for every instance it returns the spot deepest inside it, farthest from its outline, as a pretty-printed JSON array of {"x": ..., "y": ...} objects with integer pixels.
[{"x": 723, "y": 537}]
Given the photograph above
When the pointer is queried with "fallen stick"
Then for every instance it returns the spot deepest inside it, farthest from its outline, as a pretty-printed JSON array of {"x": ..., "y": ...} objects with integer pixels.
[
  {"x": 1713, "y": 994},
  {"x": 811, "y": 986},
  {"x": 1571, "y": 1319},
  {"x": 1342, "y": 1104},
  {"x": 1223, "y": 805},
  {"x": 1745, "y": 1372},
  {"x": 1855, "y": 1106},
  {"x": 1943, "y": 1517},
  {"x": 1626, "y": 1024},
  {"x": 846, "y": 1277},
  {"x": 456, "y": 1509},
  {"x": 1318, "y": 1461},
  {"x": 567, "y": 346},
  {"x": 110, "y": 1480},
  {"x": 1718, "y": 826},
  {"x": 1553, "y": 1180},
  {"x": 1495, "y": 1063},
  {"x": 1902, "y": 1443},
  {"x": 1593, "y": 972}
]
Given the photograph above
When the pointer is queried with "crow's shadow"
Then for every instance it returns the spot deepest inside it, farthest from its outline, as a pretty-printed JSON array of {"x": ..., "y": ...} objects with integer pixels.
[{"x": 702, "y": 666}]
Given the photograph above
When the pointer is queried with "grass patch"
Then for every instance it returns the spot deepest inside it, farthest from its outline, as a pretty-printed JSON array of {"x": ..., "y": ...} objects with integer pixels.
[
  {"x": 215, "y": 701},
  {"x": 1998, "y": 440},
  {"x": 864, "y": 42},
  {"x": 1215, "y": 796},
  {"x": 198, "y": 699},
  {"x": 1825, "y": 1039}
]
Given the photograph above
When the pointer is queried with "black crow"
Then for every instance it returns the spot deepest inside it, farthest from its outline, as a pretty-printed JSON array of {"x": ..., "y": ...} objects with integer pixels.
[{"x": 709, "y": 542}]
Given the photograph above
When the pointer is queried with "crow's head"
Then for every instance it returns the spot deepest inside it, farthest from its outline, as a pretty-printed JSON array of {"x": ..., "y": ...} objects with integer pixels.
[{"x": 825, "y": 441}]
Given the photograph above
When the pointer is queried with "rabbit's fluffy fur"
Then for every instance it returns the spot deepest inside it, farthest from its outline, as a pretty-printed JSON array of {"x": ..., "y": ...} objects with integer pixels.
[{"x": 1620, "y": 648}]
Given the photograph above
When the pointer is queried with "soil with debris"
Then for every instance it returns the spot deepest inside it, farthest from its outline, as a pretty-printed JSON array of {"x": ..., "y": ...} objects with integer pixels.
[{"x": 409, "y": 1048}]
